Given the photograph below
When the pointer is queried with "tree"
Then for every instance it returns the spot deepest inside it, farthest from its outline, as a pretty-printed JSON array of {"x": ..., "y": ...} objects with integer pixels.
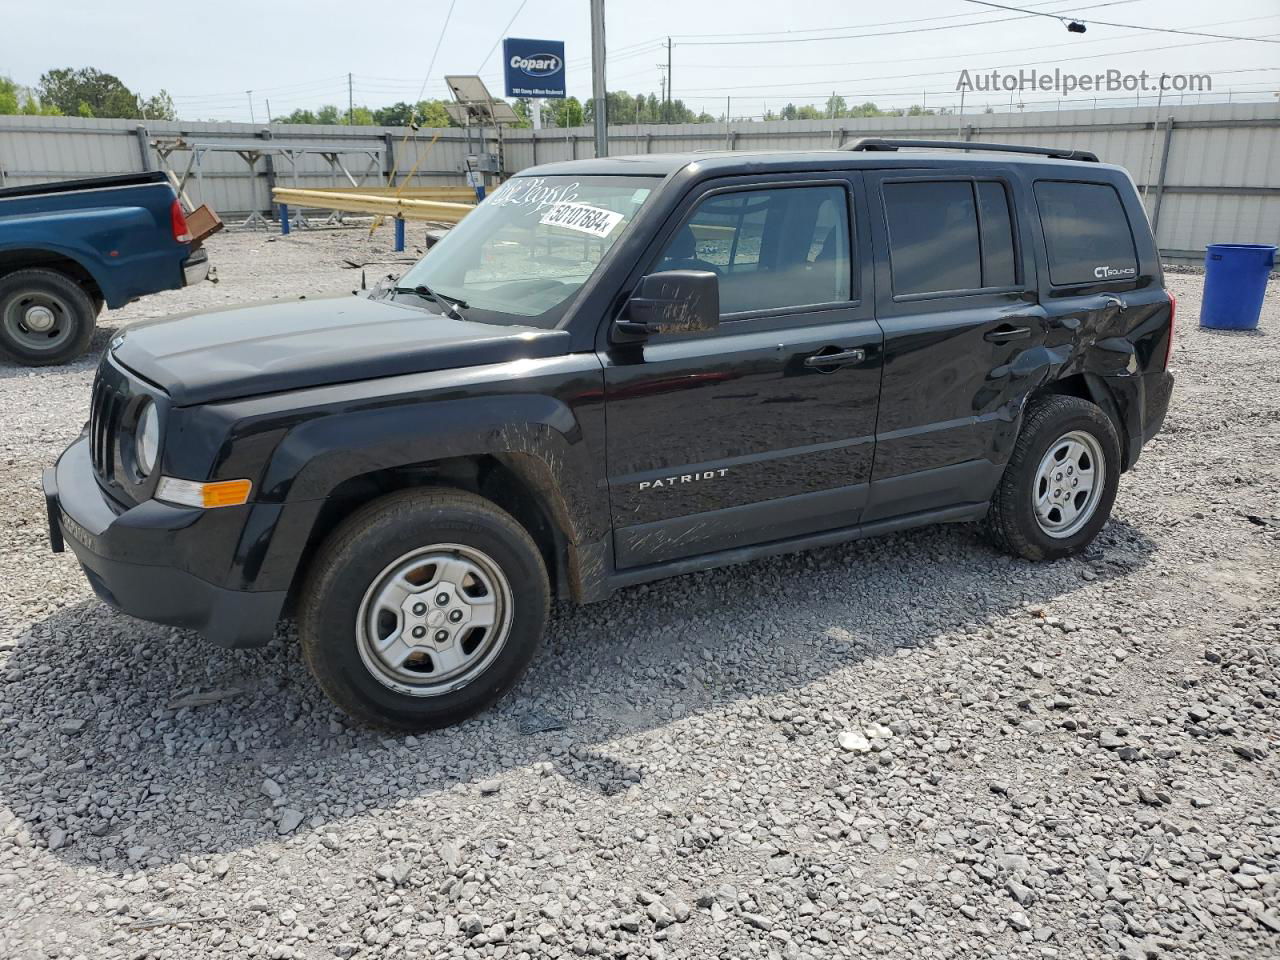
[
  {"x": 92, "y": 93},
  {"x": 565, "y": 113},
  {"x": 836, "y": 106},
  {"x": 88, "y": 92},
  {"x": 159, "y": 107},
  {"x": 298, "y": 116},
  {"x": 18, "y": 99}
]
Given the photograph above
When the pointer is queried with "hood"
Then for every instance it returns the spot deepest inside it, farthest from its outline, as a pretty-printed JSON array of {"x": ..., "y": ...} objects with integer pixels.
[{"x": 268, "y": 348}]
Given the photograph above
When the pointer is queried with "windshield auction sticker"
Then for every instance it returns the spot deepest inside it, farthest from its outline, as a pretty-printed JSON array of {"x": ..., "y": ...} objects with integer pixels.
[{"x": 582, "y": 217}]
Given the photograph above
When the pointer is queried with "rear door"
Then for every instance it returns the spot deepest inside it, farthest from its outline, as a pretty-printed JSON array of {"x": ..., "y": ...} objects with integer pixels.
[
  {"x": 763, "y": 429},
  {"x": 956, "y": 297}
]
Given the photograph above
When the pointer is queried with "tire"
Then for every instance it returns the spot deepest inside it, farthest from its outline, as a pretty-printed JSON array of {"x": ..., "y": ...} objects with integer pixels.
[
  {"x": 29, "y": 299},
  {"x": 1060, "y": 435},
  {"x": 386, "y": 572}
]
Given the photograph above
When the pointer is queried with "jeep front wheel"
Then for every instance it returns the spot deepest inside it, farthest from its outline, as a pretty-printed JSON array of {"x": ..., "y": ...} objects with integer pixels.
[
  {"x": 423, "y": 608},
  {"x": 1060, "y": 482}
]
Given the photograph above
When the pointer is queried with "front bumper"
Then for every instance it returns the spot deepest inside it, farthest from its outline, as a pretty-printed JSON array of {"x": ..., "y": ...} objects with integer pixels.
[
  {"x": 134, "y": 558},
  {"x": 196, "y": 267}
]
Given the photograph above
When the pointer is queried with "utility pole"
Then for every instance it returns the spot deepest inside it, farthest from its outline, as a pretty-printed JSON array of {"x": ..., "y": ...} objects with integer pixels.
[
  {"x": 597, "y": 78},
  {"x": 351, "y": 107},
  {"x": 268, "y": 111},
  {"x": 668, "y": 69},
  {"x": 249, "y": 94}
]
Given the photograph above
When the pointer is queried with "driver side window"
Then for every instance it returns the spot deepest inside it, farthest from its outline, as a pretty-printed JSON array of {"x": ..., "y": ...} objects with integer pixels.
[{"x": 782, "y": 247}]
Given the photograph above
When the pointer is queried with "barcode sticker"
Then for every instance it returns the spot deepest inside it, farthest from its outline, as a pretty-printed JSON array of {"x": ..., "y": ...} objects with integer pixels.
[{"x": 582, "y": 217}]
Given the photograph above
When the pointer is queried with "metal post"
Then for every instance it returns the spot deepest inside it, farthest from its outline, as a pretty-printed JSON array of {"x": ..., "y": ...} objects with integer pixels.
[
  {"x": 668, "y": 69},
  {"x": 249, "y": 94},
  {"x": 351, "y": 104},
  {"x": 597, "y": 78},
  {"x": 284, "y": 219},
  {"x": 399, "y": 247},
  {"x": 269, "y": 160},
  {"x": 1164, "y": 166},
  {"x": 389, "y": 160},
  {"x": 141, "y": 132}
]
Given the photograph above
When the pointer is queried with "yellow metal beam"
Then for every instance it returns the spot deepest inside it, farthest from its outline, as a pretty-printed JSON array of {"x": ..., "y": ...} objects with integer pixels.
[
  {"x": 438, "y": 211},
  {"x": 451, "y": 194}
]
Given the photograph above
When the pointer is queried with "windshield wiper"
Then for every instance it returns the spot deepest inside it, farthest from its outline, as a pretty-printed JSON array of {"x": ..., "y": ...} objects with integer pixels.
[{"x": 446, "y": 303}]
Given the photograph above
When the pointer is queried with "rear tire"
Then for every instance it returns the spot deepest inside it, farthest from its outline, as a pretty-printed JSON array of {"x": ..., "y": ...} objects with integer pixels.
[
  {"x": 46, "y": 318},
  {"x": 1060, "y": 483},
  {"x": 423, "y": 608}
]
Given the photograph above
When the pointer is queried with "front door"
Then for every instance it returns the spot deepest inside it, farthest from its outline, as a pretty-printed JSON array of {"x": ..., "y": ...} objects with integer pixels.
[
  {"x": 763, "y": 429},
  {"x": 956, "y": 297}
]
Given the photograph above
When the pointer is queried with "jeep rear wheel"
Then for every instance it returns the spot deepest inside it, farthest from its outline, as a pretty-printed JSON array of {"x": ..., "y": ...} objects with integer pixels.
[
  {"x": 45, "y": 317},
  {"x": 1060, "y": 483},
  {"x": 423, "y": 608}
]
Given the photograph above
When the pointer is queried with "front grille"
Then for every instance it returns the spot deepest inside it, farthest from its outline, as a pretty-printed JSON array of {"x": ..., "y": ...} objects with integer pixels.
[{"x": 105, "y": 412}]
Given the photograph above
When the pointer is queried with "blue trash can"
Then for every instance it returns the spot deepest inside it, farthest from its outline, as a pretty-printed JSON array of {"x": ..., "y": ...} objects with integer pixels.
[{"x": 1235, "y": 281}]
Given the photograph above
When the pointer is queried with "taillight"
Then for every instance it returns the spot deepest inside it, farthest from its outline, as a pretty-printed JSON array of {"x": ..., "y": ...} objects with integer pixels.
[
  {"x": 178, "y": 220},
  {"x": 1173, "y": 310}
]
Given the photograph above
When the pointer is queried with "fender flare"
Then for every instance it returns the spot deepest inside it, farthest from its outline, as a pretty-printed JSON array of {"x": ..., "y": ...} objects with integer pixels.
[{"x": 535, "y": 436}]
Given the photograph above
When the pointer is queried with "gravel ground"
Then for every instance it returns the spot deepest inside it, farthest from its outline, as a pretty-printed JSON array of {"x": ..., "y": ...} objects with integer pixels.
[{"x": 912, "y": 745}]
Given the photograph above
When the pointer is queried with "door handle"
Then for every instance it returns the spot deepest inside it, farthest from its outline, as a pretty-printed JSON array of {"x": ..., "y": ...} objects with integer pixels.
[
  {"x": 1111, "y": 300},
  {"x": 1006, "y": 333},
  {"x": 831, "y": 359}
]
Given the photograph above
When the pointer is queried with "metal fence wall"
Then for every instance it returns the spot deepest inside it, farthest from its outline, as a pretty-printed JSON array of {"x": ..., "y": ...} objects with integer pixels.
[{"x": 1209, "y": 173}]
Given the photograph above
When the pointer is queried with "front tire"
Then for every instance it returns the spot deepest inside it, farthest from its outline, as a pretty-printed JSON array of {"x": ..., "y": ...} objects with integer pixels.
[
  {"x": 1060, "y": 483},
  {"x": 46, "y": 318},
  {"x": 423, "y": 608}
]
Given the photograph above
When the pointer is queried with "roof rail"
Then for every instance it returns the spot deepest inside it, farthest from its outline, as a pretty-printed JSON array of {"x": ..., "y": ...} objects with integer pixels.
[{"x": 875, "y": 143}]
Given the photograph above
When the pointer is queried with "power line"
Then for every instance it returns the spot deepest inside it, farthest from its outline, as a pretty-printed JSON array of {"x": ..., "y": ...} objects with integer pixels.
[
  {"x": 984, "y": 53},
  {"x": 440, "y": 39},
  {"x": 864, "y": 26},
  {"x": 501, "y": 35},
  {"x": 1124, "y": 26},
  {"x": 935, "y": 73},
  {"x": 885, "y": 33}
]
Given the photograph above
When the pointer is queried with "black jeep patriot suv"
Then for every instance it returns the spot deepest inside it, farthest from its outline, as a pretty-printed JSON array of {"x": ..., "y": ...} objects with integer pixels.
[{"x": 617, "y": 370}]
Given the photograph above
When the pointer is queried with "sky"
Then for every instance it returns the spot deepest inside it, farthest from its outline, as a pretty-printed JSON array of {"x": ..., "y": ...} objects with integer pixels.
[{"x": 298, "y": 54}]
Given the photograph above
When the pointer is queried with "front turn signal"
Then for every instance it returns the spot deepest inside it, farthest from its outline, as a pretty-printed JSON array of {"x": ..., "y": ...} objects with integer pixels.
[{"x": 190, "y": 493}]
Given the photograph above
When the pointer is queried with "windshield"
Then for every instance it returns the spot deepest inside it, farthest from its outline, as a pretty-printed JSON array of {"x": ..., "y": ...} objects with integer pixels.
[{"x": 530, "y": 246}]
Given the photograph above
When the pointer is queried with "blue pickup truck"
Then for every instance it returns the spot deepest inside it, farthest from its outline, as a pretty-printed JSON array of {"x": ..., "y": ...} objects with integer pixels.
[{"x": 68, "y": 248}]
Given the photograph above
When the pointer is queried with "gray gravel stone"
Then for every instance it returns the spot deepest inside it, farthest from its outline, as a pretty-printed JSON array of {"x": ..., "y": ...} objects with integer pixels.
[{"x": 1051, "y": 765}]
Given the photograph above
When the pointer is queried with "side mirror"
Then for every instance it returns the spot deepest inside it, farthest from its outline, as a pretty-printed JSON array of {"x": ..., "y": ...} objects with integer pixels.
[{"x": 673, "y": 301}]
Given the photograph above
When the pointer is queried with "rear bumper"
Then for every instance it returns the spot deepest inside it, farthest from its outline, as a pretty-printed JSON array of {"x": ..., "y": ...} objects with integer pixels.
[
  {"x": 132, "y": 558},
  {"x": 1159, "y": 391},
  {"x": 195, "y": 268}
]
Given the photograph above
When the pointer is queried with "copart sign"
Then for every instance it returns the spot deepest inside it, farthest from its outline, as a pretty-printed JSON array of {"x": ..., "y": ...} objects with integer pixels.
[{"x": 534, "y": 68}]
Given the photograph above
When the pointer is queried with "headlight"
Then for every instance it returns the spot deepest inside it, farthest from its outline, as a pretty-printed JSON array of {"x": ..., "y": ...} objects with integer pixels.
[{"x": 146, "y": 440}]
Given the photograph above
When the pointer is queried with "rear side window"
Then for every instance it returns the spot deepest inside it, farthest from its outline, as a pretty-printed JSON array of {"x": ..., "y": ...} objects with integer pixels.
[
  {"x": 998, "y": 268},
  {"x": 1086, "y": 232},
  {"x": 948, "y": 235},
  {"x": 784, "y": 247}
]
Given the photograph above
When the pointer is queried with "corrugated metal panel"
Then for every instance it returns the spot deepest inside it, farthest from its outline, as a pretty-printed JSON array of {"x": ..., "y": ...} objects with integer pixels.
[{"x": 1213, "y": 146}]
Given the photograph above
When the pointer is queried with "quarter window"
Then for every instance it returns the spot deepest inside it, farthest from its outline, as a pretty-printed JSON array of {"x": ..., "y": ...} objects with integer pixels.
[
  {"x": 785, "y": 247},
  {"x": 949, "y": 235},
  {"x": 1086, "y": 232}
]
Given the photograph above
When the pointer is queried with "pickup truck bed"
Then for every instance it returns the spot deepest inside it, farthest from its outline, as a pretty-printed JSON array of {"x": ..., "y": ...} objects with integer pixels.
[{"x": 69, "y": 248}]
